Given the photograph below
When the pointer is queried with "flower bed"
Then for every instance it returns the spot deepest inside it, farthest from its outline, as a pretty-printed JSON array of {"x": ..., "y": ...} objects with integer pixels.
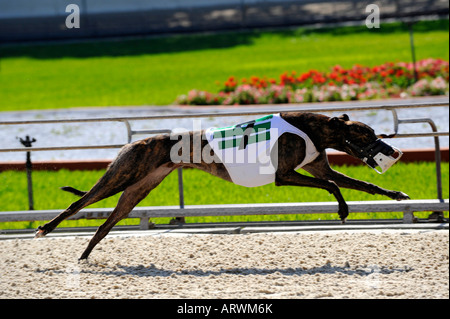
[{"x": 389, "y": 80}]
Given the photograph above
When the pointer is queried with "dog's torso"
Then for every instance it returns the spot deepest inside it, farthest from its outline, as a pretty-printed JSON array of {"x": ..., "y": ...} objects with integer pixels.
[{"x": 247, "y": 149}]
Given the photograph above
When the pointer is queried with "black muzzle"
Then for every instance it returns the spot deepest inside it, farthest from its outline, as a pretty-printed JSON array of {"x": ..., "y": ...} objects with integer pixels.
[{"x": 377, "y": 154}]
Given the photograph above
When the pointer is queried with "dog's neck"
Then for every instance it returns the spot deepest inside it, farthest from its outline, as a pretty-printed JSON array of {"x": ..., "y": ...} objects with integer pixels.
[{"x": 317, "y": 127}]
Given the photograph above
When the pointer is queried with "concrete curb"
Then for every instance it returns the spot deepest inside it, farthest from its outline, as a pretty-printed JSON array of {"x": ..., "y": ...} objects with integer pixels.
[{"x": 380, "y": 228}]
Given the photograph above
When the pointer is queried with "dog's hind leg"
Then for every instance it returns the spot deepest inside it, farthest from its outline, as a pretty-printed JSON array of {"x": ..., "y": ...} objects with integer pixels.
[
  {"x": 96, "y": 194},
  {"x": 127, "y": 169},
  {"x": 128, "y": 200}
]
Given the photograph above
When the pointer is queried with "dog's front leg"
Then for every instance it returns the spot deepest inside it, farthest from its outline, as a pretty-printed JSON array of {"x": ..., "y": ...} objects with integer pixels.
[
  {"x": 320, "y": 168},
  {"x": 293, "y": 178},
  {"x": 348, "y": 182}
]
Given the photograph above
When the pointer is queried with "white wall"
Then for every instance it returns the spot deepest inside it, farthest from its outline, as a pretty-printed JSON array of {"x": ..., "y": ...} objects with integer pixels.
[
  {"x": 29, "y": 8},
  {"x": 45, "y": 8}
]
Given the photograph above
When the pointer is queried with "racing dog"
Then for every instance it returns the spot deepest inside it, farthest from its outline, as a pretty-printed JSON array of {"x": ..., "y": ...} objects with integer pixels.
[{"x": 141, "y": 166}]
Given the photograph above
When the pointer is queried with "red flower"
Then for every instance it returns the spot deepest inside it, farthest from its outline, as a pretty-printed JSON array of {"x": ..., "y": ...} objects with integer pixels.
[
  {"x": 254, "y": 79},
  {"x": 319, "y": 79},
  {"x": 287, "y": 79},
  {"x": 303, "y": 77},
  {"x": 334, "y": 75},
  {"x": 399, "y": 73},
  {"x": 230, "y": 84},
  {"x": 262, "y": 83}
]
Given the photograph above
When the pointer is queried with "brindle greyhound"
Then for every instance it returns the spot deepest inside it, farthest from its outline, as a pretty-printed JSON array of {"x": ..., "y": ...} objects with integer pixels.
[{"x": 142, "y": 165}]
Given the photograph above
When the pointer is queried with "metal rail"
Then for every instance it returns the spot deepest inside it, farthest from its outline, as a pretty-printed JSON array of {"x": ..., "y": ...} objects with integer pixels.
[
  {"x": 61, "y": 148},
  {"x": 111, "y": 146},
  {"x": 130, "y": 132},
  {"x": 407, "y": 207},
  {"x": 437, "y": 153},
  {"x": 226, "y": 114}
]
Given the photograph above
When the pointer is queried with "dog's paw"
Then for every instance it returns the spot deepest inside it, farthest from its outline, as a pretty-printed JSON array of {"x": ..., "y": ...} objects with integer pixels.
[
  {"x": 400, "y": 196},
  {"x": 40, "y": 232},
  {"x": 343, "y": 212}
]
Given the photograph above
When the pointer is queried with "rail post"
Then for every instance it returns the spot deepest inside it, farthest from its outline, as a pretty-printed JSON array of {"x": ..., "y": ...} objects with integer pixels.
[
  {"x": 410, "y": 25},
  {"x": 437, "y": 157},
  {"x": 27, "y": 142}
]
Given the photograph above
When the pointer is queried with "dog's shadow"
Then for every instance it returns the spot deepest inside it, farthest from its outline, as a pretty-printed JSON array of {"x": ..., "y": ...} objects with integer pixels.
[{"x": 153, "y": 271}]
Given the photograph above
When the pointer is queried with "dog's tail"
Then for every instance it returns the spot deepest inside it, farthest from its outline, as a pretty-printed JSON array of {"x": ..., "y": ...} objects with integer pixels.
[{"x": 73, "y": 191}]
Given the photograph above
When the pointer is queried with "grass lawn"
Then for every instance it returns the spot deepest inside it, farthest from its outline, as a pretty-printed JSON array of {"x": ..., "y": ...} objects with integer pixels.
[
  {"x": 417, "y": 180},
  {"x": 154, "y": 71}
]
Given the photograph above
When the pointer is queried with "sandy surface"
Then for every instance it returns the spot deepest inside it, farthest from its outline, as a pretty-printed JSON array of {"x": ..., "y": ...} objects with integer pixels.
[{"x": 279, "y": 265}]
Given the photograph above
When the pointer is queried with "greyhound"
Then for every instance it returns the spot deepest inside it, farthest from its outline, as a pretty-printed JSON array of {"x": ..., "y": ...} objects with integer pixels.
[{"x": 141, "y": 166}]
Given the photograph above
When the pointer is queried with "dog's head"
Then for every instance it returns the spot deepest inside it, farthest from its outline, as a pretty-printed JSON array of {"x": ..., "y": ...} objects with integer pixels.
[{"x": 360, "y": 141}]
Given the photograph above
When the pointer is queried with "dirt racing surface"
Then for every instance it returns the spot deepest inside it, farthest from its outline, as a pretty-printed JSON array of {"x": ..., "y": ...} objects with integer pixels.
[{"x": 394, "y": 264}]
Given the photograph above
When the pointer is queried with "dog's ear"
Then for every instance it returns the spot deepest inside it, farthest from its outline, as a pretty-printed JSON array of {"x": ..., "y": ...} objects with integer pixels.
[{"x": 336, "y": 122}]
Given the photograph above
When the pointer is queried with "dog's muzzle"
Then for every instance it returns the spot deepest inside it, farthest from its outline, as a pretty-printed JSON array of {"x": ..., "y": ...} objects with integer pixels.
[{"x": 378, "y": 154}]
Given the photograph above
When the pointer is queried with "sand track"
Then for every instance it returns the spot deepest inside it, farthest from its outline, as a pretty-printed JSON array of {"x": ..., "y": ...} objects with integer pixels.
[{"x": 395, "y": 264}]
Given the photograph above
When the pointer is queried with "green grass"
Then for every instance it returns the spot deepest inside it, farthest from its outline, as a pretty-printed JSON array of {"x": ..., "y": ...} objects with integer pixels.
[
  {"x": 417, "y": 180},
  {"x": 154, "y": 71}
]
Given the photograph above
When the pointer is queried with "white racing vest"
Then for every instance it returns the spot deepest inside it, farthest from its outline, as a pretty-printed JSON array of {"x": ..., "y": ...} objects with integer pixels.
[{"x": 245, "y": 149}]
